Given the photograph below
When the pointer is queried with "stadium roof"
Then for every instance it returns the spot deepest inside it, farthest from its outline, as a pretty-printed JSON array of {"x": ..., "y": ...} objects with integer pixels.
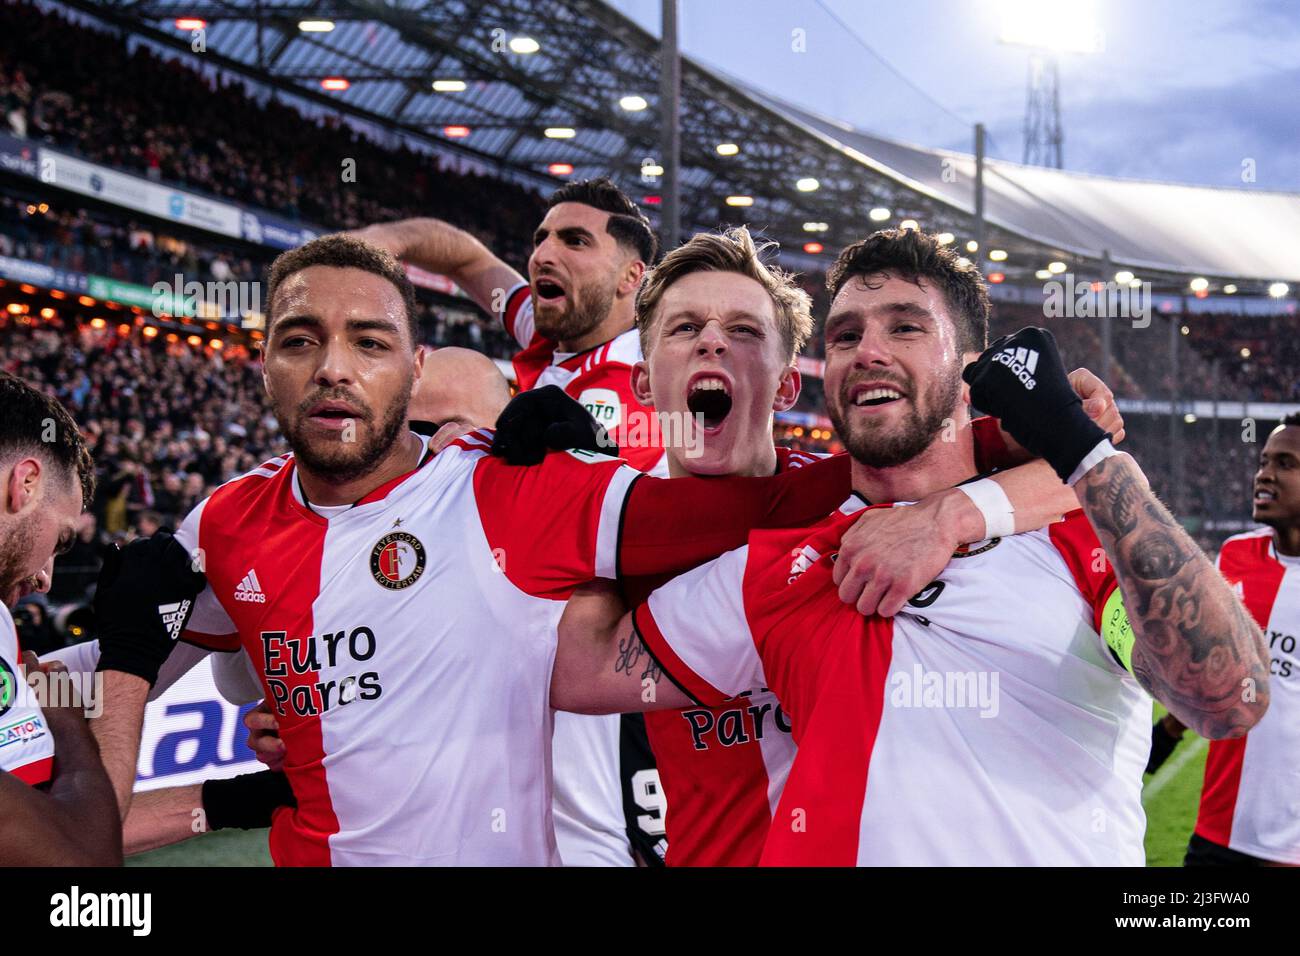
[
  {"x": 589, "y": 57},
  {"x": 1243, "y": 233}
]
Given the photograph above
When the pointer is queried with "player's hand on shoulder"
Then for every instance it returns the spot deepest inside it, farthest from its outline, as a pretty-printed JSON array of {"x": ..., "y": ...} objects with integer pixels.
[
  {"x": 143, "y": 600},
  {"x": 1021, "y": 381},
  {"x": 264, "y": 736},
  {"x": 1098, "y": 403},
  {"x": 547, "y": 419},
  {"x": 891, "y": 554},
  {"x": 447, "y": 434}
]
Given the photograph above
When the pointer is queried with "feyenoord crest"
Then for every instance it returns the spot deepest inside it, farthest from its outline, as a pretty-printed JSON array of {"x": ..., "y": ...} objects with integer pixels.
[
  {"x": 397, "y": 561},
  {"x": 8, "y": 687},
  {"x": 969, "y": 551}
]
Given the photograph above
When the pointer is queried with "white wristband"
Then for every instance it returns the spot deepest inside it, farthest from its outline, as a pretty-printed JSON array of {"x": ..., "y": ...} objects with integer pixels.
[
  {"x": 1103, "y": 450},
  {"x": 994, "y": 505}
]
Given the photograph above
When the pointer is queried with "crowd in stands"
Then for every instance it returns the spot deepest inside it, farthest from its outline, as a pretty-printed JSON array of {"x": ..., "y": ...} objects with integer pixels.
[
  {"x": 67, "y": 237},
  {"x": 1258, "y": 355},
  {"x": 165, "y": 423},
  {"x": 144, "y": 254},
  {"x": 82, "y": 88}
]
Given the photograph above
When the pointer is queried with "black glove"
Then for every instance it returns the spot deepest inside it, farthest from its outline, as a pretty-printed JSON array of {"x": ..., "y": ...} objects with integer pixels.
[
  {"x": 246, "y": 802},
  {"x": 1162, "y": 745},
  {"x": 143, "y": 600},
  {"x": 1020, "y": 381},
  {"x": 546, "y": 419}
]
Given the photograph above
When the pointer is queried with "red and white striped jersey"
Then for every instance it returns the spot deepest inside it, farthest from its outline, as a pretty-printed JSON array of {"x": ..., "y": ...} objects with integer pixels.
[
  {"x": 589, "y": 820},
  {"x": 599, "y": 379},
  {"x": 1250, "y": 801},
  {"x": 722, "y": 768},
  {"x": 26, "y": 744},
  {"x": 986, "y": 724},
  {"x": 407, "y": 643}
]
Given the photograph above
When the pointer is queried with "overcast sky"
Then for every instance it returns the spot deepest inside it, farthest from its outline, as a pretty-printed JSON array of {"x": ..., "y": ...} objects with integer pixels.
[{"x": 1185, "y": 90}]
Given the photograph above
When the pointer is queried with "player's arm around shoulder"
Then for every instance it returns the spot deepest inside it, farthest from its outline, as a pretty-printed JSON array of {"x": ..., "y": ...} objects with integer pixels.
[
  {"x": 1195, "y": 646},
  {"x": 601, "y": 664},
  {"x": 890, "y": 554}
]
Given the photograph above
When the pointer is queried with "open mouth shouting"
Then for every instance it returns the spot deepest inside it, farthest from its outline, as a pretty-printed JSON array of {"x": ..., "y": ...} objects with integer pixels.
[
  {"x": 708, "y": 394},
  {"x": 548, "y": 291},
  {"x": 1264, "y": 495}
]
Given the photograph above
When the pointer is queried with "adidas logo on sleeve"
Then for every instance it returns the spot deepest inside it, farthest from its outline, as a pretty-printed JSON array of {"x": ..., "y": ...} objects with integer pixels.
[
  {"x": 1022, "y": 362},
  {"x": 250, "y": 590}
]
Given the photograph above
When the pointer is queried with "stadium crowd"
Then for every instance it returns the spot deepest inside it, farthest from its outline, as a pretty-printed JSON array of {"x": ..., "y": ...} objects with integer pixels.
[{"x": 134, "y": 109}]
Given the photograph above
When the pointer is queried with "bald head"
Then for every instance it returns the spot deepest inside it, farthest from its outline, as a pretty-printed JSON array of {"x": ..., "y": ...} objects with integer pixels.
[{"x": 459, "y": 385}]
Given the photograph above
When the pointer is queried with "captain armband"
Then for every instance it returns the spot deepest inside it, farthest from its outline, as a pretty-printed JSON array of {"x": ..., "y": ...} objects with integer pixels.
[{"x": 1116, "y": 630}]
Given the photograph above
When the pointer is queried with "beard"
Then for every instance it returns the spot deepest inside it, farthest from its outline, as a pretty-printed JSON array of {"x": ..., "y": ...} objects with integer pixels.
[
  {"x": 17, "y": 552},
  {"x": 332, "y": 458},
  {"x": 877, "y": 448},
  {"x": 585, "y": 309}
]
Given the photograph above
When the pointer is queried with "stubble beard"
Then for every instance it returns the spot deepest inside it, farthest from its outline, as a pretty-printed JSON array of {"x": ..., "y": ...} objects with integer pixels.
[
  {"x": 584, "y": 311},
  {"x": 914, "y": 434},
  {"x": 338, "y": 461}
]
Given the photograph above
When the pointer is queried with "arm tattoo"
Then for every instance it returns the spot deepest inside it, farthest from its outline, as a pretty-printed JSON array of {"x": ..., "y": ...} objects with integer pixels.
[
  {"x": 1196, "y": 650},
  {"x": 631, "y": 650}
]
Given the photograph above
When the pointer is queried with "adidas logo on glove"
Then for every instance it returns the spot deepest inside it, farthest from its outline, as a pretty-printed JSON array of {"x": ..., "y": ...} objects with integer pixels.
[
  {"x": 173, "y": 616},
  {"x": 1022, "y": 362}
]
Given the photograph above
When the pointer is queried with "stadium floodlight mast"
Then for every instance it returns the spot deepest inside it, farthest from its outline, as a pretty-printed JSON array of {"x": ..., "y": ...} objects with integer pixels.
[{"x": 1048, "y": 28}]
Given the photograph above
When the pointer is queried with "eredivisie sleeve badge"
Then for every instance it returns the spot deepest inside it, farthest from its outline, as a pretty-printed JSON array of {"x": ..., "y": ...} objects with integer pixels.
[
  {"x": 397, "y": 561},
  {"x": 8, "y": 687}
]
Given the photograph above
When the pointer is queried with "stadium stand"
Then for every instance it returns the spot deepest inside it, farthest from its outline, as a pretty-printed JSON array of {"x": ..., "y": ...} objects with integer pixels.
[{"x": 134, "y": 110}]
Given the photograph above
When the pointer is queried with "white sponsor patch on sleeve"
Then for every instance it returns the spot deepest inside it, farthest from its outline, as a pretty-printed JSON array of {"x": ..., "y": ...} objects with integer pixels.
[{"x": 604, "y": 406}]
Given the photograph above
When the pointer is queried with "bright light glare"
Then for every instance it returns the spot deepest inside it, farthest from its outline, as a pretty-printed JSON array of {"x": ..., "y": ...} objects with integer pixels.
[{"x": 1062, "y": 26}]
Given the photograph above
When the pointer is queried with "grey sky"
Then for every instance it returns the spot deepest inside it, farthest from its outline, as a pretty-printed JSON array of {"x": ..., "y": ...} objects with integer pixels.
[{"x": 1185, "y": 90}]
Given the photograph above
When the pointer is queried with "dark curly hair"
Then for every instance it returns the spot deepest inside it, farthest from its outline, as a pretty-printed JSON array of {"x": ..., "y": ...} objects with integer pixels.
[{"x": 912, "y": 255}]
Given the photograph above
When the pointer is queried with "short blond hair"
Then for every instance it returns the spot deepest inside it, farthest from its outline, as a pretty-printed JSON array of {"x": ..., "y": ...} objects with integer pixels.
[{"x": 729, "y": 251}]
